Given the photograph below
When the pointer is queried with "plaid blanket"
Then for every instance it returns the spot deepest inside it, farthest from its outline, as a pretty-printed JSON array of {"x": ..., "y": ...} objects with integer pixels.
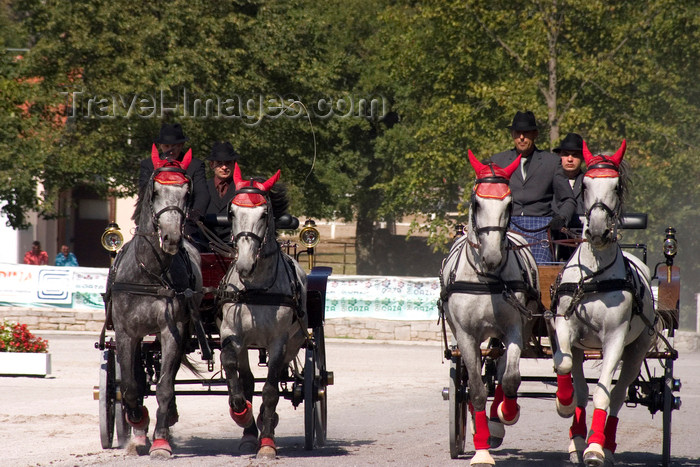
[{"x": 542, "y": 251}]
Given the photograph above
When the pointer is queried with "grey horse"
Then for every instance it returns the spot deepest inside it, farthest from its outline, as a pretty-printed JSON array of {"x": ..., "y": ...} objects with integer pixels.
[
  {"x": 264, "y": 307},
  {"x": 154, "y": 285},
  {"x": 489, "y": 288}
]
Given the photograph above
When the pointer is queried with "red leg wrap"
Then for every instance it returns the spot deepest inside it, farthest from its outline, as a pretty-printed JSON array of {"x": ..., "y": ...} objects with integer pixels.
[
  {"x": 510, "y": 408},
  {"x": 565, "y": 389},
  {"x": 141, "y": 424},
  {"x": 578, "y": 426},
  {"x": 598, "y": 427},
  {"x": 610, "y": 432},
  {"x": 481, "y": 434},
  {"x": 244, "y": 418},
  {"x": 161, "y": 444},
  {"x": 497, "y": 399},
  {"x": 268, "y": 442}
]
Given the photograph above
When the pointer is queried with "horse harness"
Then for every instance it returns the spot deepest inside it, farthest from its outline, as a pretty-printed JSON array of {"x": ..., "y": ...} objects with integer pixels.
[{"x": 631, "y": 283}]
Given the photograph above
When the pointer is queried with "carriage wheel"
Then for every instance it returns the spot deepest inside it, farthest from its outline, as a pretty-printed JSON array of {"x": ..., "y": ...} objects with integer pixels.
[
  {"x": 458, "y": 397},
  {"x": 315, "y": 395},
  {"x": 668, "y": 409},
  {"x": 107, "y": 393},
  {"x": 123, "y": 428}
]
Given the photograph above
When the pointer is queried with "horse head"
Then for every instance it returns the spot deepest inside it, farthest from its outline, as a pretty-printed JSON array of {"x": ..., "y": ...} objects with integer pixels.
[
  {"x": 171, "y": 187},
  {"x": 491, "y": 204},
  {"x": 252, "y": 221},
  {"x": 602, "y": 195}
]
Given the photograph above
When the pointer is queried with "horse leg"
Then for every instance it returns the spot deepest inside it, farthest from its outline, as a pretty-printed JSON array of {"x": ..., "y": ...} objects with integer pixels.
[
  {"x": 471, "y": 355},
  {"x": 249, "y": 442},
  {"x": 132, "y": 392},
  {"x": 563, "y": 364},
  {"x": 632, "y": 358},
  {"x": 240, "y": 409},
  {"x": 172, "y": 352},
  {"x": 508, "y": 409},
  {"x": 594, "y": 456},
  {"x": 578, "y": 430},
  {"x": 268, "y": 418}
]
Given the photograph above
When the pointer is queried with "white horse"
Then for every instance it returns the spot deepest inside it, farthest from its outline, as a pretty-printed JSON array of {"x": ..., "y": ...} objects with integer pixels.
[
  {"x": 264, "y": 295},
  {"x": 603, "y": 301},
  {"x": 489, "y": 289}
]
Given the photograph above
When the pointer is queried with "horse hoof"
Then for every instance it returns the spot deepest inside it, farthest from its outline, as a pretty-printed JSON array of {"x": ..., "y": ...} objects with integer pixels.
[
  {"x": 566, "y": 411},
  {"x": 576, "y": 448},
  {"x": 244, "y": 418},
  {"x": 138, "y": 445},
  {"x": 248, "y": 444},
  {"x": 497, "y": 431},
  {"x": 482, "y": 458},
  {"x": 267, "y": 450},
  {"x": 503, "y": 418},
  {"x": 594, "y": 456},
  {"x": 160, "y": 449},
  {"x": 609, "y": 457}
]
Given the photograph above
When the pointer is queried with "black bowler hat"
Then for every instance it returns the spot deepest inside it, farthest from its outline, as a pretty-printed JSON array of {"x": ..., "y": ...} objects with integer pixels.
[
  {"x": 223, "y": 151},
  {"x": 524, "y": 121},
  {"x": 572, "y": 142},
  {"x": 171, "y": 134}
]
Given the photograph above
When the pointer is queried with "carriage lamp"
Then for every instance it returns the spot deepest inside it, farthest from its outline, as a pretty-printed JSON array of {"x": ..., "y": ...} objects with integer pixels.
[
  {"x": 112, "y": 238},
  {"x": 670, "y": 245},
  {"x": 309, "y": 235},
  {"x": 459, "y": 230}
]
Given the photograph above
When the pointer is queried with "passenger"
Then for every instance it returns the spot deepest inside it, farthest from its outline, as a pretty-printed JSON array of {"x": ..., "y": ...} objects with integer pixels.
[
  {"x": 36, "y": 255},
  {"x": 66, "y": 257},
  {"x": 222, "y": 159},
  {"x": 170, "y": 142},
  {"x": 571, "y": 152},
  {"x": 534, "y": 187}
]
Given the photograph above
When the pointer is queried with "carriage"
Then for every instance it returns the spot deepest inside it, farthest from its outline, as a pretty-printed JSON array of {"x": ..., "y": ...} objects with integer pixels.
[
  {"x": 655, "y": 392},
  {"x": 304, "y": 379}
]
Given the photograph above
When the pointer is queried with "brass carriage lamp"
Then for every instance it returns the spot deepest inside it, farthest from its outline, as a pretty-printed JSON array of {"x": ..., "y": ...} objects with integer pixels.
[
  {"x": 670, "y": 246},
  {"x": 112, "y": 239},
  {"x": 309, "y": 237}
]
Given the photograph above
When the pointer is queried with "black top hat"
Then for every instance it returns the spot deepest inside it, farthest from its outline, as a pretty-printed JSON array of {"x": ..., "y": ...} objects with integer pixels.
[
  {"x": 171, "y": 134},
  {"x": 572, "y": 142},
  {"x": 524, "y": 121},
  {"x": 223, "y": 151}
]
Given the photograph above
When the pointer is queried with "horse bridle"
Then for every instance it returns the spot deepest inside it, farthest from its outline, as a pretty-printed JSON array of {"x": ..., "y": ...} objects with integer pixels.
[
  {"x": 155, "y": 216},
  {"x": 472, "y": 202},
  {"x": 262, "y": 241},
  {"x": 600, "y": 205}
]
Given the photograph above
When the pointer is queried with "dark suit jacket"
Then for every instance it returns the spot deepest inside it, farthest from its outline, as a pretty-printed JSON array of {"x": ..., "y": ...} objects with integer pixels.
[
  {"x": 580, "y": 210},
  {"x": 545, "y": 180},
  {"x": 219, "y": 206}
]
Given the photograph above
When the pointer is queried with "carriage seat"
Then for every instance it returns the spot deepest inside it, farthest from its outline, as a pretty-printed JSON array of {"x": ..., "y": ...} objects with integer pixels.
[
  {"x": 284, "y": 222},
  {"x": 633, "y": 220}
]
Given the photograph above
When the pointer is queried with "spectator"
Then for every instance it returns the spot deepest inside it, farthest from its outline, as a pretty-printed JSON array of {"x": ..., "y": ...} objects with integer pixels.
[
  {"x": 66, "y": 257},
  {"x": 36, "y": 255},
  {"x": 221, "y": 190},
  {"x": 534, "y": 187},
  {"x": 170, "y": 142}
]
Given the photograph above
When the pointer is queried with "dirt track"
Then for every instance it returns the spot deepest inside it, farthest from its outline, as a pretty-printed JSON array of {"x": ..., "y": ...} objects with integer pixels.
[{"x": 385, "y": 408}]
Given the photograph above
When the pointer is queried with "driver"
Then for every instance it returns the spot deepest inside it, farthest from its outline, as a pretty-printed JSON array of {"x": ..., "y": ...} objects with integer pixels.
[
  {"x": 221, "y": 189},
  {"x": 170, "y": 142}
]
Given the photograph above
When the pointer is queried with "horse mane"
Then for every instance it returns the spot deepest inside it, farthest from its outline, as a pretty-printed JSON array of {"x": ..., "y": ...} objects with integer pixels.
[{"x": 145, "y": 195}]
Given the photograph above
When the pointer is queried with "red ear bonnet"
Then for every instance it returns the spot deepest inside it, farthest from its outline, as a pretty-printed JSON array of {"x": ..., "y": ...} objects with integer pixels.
[
  {"x": 251, "y": 199},
  {"x": 170, "y": 178},
  {"x": 615, "y": 160},
  {"x": 490, "y": 189}
]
